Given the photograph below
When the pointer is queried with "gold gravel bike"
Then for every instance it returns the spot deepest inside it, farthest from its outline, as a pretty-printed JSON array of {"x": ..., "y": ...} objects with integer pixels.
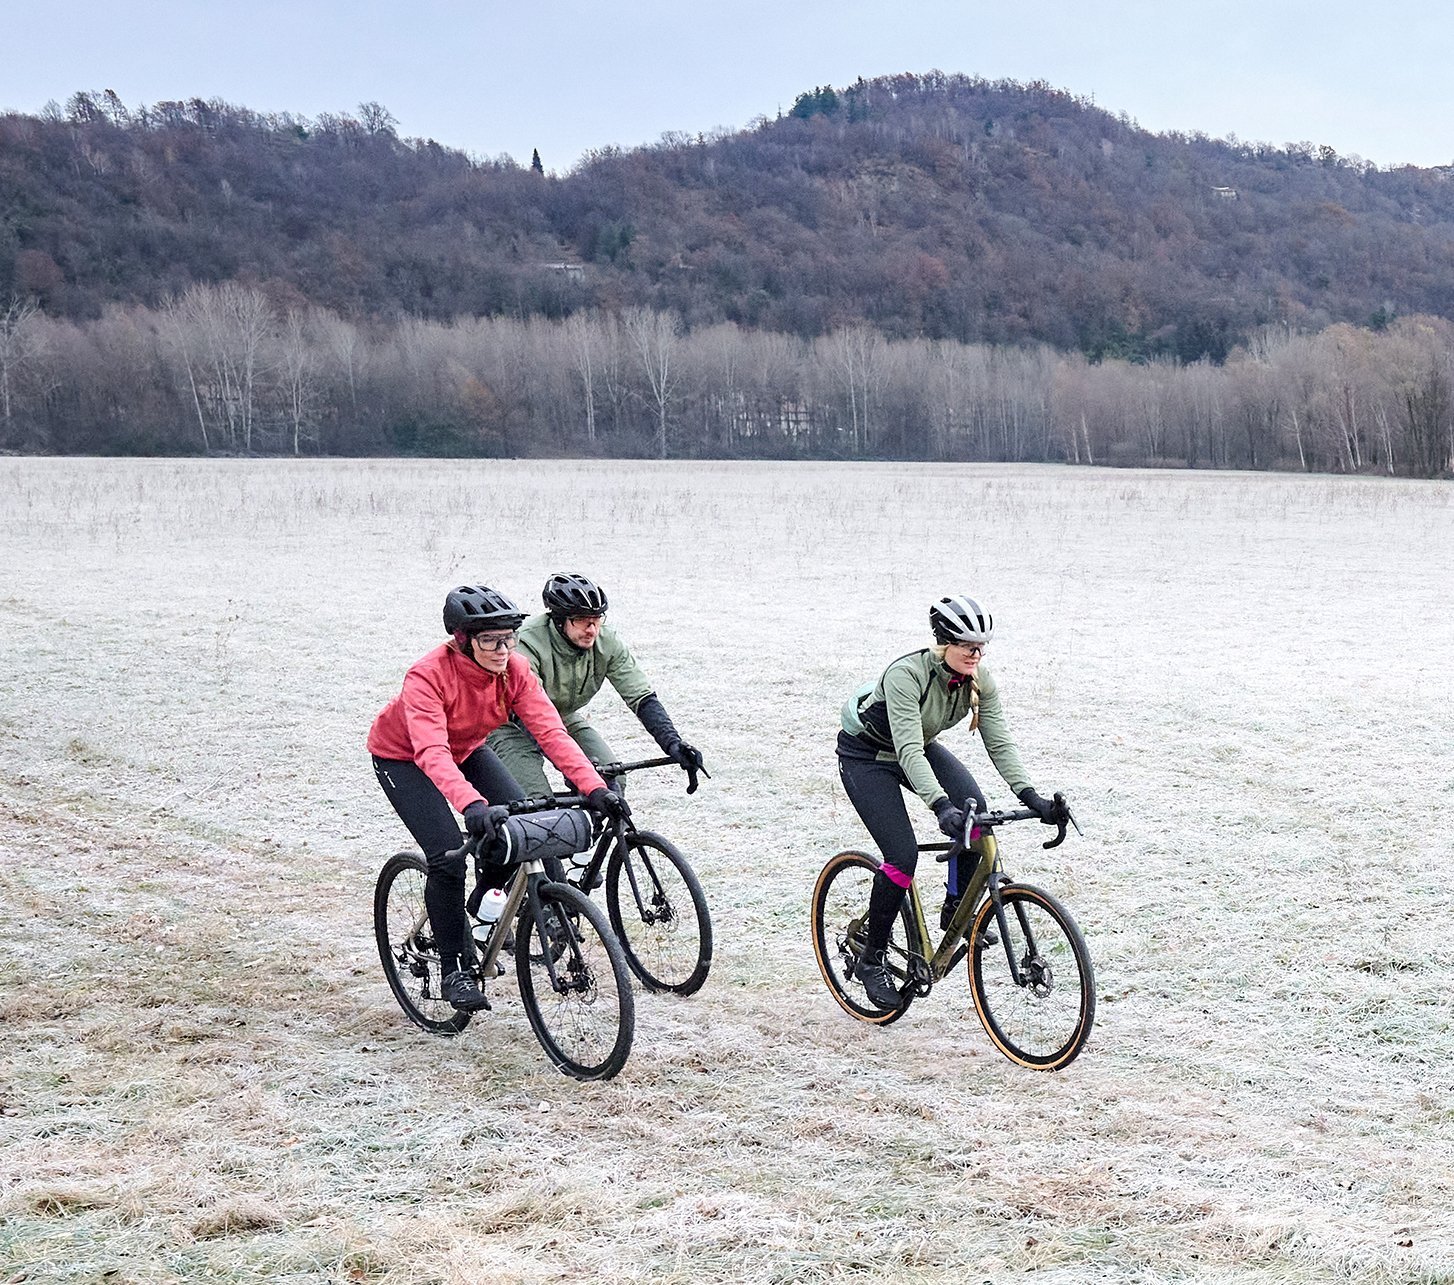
[{"x": 1029, "y": 969}]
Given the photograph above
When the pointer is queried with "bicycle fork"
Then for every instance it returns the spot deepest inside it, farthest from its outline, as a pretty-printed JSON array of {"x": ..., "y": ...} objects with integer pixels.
[
  {"x": 986, "y": 880},
  {"x": 1021, "y": 970}
]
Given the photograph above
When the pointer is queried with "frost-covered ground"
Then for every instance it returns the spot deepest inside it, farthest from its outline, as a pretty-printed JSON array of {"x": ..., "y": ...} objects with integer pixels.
[{"x": 1242, "y": 681}]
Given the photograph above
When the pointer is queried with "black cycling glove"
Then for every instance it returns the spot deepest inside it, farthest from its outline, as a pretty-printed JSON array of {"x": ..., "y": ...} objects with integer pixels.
[
  {"x": 485, "y": 820},
  {"x": 951, "y": 819},
  {"x": 1046, "y": 810},
  {"x": 657, "y": 721},
  {"x": 608, "y": 805}
]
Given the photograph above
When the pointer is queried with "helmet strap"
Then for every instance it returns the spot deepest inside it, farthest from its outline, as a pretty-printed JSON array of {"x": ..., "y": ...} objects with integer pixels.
[
  {"x": 462, "y": 642},
  {"x": 558, "y": 619}
]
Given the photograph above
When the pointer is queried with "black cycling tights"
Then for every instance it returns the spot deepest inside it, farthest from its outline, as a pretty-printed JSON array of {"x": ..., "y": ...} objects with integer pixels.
[
  {"x": 431, "y": 821},
  {"x": 876, "y": 790}
]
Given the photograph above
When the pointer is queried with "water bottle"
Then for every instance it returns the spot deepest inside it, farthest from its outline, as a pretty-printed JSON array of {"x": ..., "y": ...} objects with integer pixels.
[
  {"x": 575, "y": 873},
  {"x": 489, "y": 913}
]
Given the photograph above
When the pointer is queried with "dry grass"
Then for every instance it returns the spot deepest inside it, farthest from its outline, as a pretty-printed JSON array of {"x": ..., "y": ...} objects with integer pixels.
[{"x": 1242, "y": 681}]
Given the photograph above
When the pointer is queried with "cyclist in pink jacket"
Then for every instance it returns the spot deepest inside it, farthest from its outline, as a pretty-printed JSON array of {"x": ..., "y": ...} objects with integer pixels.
[{"x": 429, "y": 752}]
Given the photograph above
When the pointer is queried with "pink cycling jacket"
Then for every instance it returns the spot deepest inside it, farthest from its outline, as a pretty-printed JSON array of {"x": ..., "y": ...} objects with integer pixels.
[{"x": 449, "y": 705}]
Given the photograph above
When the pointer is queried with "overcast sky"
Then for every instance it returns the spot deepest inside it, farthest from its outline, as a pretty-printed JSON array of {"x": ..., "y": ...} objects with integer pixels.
[{"x": 1371, "y": 79}]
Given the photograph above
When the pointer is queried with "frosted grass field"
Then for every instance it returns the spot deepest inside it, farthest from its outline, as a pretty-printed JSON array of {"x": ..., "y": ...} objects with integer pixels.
[{"x": 1241, "y": 680}]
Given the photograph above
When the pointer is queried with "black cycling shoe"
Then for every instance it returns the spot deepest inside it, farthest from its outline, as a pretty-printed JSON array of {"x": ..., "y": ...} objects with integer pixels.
[
  {"x": 872, "y": 970},
  {"x": 460, "y": 990}
]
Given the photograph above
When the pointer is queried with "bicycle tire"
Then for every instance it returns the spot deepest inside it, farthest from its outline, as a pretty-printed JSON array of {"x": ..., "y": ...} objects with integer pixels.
[
  {"x": 665, "y": 948},
  {"x": 1045, "y": 1024},
  {"x": 839, "y": 915},
  {"x": 585, "y": 1027},
  {"x": 406, "y": 946}
]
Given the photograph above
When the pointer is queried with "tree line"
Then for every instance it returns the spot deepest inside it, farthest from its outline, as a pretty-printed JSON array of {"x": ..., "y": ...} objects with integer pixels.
[
  {"x": 928, "y": 206},
  {"x": 233, "y": 369}
]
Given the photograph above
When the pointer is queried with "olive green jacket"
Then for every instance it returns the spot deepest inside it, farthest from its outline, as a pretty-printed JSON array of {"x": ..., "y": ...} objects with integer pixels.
[
  {"x": 912, "y": 703},
  {"x": 571, "y": 677}
]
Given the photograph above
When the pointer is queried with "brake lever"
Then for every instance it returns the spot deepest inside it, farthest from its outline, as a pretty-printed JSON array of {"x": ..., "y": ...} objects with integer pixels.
[
  {"x": 954, "y": 850},
  {"x": 1066, "y": 815}
]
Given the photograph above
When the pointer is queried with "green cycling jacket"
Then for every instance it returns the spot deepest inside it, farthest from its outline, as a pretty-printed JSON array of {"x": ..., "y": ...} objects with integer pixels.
[
  {"x": 912, "y": 703},
  {"x": 571, "y": 677}
]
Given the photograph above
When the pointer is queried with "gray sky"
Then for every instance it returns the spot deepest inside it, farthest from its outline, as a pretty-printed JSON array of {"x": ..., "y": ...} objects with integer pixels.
[{"x": 568, "y": 75}]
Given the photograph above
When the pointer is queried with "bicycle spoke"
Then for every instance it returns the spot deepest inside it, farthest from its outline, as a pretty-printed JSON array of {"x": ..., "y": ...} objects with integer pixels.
[
  {"x": 574, "y": 990},
  {"x": 1034, "y": 990},
  {"x": 659, "y": 914},
  {"x": 406, "y": 946},
  {"x": 839, "y": 914}
]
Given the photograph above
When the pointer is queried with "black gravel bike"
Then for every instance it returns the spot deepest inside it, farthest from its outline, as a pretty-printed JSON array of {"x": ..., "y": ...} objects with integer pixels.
[
  {"x": 654, "y": 900},
  {"x": 1029, "y": 970},
  {"x": 574, "y": 982}
]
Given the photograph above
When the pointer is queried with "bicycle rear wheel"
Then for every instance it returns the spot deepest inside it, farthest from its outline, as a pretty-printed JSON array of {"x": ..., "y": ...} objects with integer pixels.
[
  {"x": 585, "y": 1017},
  {"x": 1038, "y": 1011},
  {"x": 659, "y": 913},
  {"x": 839, "y": 916},
  {"x": 406, "y": 946}
]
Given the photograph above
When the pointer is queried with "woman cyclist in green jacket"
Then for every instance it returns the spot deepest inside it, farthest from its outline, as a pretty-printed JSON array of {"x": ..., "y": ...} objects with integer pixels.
[
  {"x": 575, "y": 653},
  {"x": 888, "y": 745}
]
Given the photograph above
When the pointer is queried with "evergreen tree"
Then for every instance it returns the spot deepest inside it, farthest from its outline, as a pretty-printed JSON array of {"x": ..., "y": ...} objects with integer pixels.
[{"x": 535, "y": 161}]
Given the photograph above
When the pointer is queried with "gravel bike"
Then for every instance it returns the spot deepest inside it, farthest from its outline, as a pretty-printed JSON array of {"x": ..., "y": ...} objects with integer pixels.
[
  {"x": 654, "y": 900},
  {"x": 574, "y": 982},
  {"x": 1029, "y": 970}
]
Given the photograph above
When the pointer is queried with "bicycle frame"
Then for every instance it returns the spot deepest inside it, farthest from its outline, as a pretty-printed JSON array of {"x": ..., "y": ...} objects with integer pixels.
[
  {"x": 613, "y": 832},
  {"x": 987, "y": 874},
  {"x": 985, "y": 880},
  {"x": 524, "y": 879}
]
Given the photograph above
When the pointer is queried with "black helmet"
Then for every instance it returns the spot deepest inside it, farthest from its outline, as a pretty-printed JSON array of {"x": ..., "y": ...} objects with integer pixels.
[
  {"x": 473, "y": 608},
  {"x": 961, "y": 620},
  {"x": 572, "y": 595}
]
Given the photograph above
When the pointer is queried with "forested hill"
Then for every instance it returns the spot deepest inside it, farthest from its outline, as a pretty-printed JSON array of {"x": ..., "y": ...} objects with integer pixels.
[{"x": 937, "y": 206}]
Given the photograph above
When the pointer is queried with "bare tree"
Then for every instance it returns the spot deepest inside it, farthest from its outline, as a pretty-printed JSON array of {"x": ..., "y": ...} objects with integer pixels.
[
  {"x": 224, "y": 328},
  {"x": 855, "y": 355},
  {"x": 21, "y": 345},
  {"x": 584, "y": 341},
  {"x": 656, "y": 337},
  {"x": 298, "y": 371}
]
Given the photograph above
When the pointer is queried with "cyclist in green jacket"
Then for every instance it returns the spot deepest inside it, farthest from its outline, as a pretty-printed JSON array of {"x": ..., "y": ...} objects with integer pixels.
[
  {"x": 575, "y": 653},
  {"x": 888, "y": 745}
]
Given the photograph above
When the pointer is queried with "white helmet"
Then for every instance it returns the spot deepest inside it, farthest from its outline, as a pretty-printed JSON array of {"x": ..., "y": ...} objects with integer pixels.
[{"x": 961, "y": 620}]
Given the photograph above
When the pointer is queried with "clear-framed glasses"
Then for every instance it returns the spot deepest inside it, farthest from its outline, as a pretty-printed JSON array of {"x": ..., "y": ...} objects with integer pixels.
[
  {"x": 974, "y": 649},
  {"x": 496, "y": 642}
]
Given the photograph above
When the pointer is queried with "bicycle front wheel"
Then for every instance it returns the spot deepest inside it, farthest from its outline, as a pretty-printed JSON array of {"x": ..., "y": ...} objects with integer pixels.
[
  {"x": 574, "y": 984},
  {"x": 406, "y": 946},
  {"x": 1034, "y": 991},
  {"x": 659, "y": 913},
  {"x": 839, "y": 916}
]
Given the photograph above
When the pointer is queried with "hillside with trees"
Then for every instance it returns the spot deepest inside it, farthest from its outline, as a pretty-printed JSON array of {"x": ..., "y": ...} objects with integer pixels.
[
  {"x": 914, "y": 266},
  {"x": 934, "y": 206}
]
